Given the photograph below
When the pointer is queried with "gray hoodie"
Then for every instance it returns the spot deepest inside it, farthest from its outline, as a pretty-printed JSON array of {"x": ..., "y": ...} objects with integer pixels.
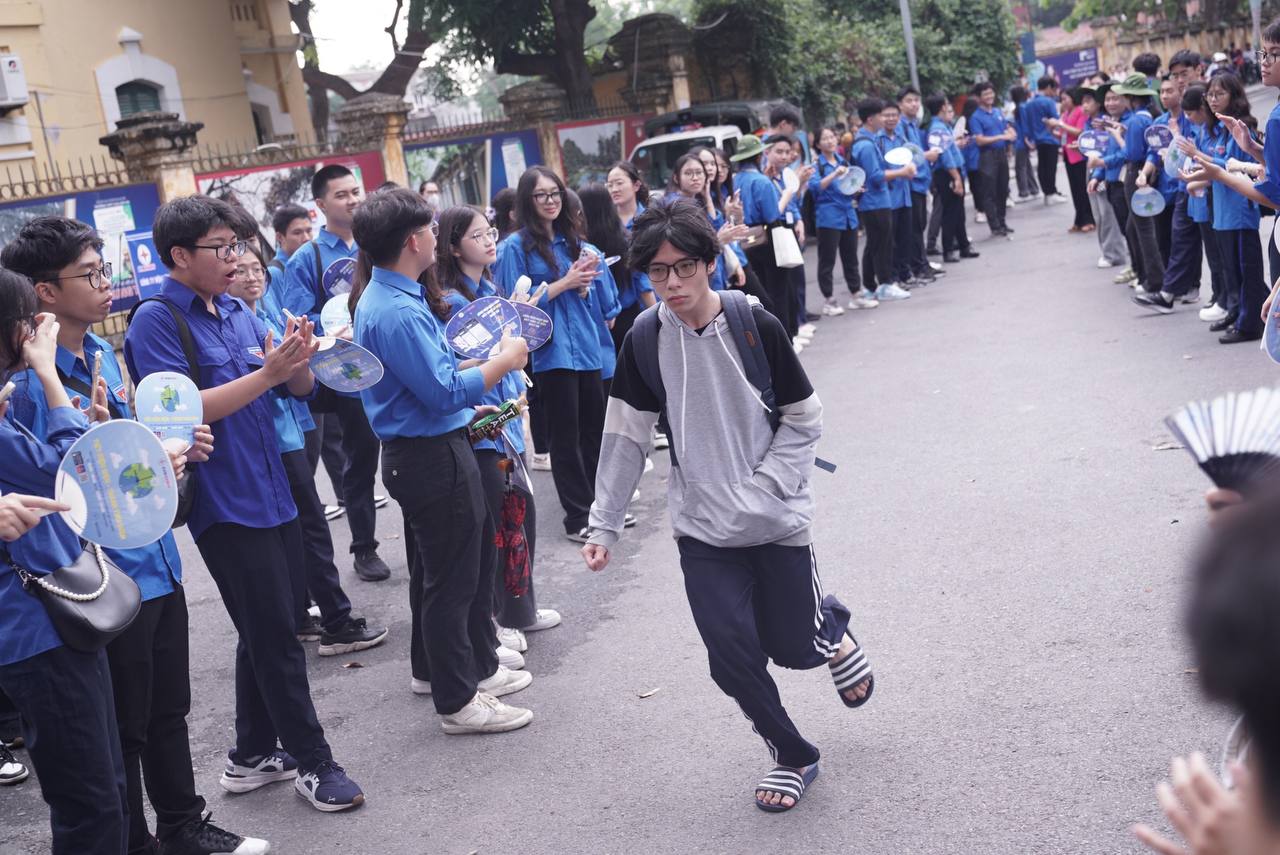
[{"x": 736, "y": 482}]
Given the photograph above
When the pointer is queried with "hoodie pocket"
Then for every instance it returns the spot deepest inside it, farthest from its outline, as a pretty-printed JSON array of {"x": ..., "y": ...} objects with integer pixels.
[{"x": 739, "y": 513}]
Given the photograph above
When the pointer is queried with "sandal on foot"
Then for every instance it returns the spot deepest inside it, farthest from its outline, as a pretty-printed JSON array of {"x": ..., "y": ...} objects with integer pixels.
[
  {"x": 849, "y": 672},
  {"x": 787, "y": 782}
]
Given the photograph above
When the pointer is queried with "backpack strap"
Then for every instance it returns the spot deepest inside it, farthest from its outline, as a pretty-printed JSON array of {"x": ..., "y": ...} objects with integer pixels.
[
  {"x": 319, "y": 269},
  {"x": 739, "y": 311},
  {"x": 184, "y": 334},
  {"x": 644, "y": 345}
]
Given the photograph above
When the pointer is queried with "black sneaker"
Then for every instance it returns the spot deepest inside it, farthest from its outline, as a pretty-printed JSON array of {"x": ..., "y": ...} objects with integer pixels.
[
  {"x": 354, "y": 635},
  {"x": 1154, "y": 300},
  {"x": 309, "y": 629},
  {"x": 370, "y": 567},
  {"x": 1235, "y": 336},
  {"x": 202, "y": 837},
  {"x": 951, "y": 258},
  {"x": 810, "y": 317},
  {"x": 1226, "y": 323},
  {"x": 969, "y": 252},
  {"x": 931, "y": 250}
]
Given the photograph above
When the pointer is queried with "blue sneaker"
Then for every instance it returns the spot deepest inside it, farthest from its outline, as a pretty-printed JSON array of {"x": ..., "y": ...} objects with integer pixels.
[
  {"x": 328, "y": 788},
  {"x": 245, "y": 774}
]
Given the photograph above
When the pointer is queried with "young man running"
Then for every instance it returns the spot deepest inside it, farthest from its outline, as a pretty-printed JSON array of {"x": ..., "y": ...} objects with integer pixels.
[{"x": 740, "y": 500}]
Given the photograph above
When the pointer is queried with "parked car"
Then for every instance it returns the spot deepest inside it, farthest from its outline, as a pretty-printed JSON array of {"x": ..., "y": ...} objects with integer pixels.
[{"x": 656, "y": 158}]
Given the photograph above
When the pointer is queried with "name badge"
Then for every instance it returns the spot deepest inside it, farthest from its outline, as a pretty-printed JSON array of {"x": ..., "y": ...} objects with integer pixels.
[{"x": 791, "y": 218}]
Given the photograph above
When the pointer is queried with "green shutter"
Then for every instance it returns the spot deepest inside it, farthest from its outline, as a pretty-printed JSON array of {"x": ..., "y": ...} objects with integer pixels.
[{"x": 137, "y": 97}]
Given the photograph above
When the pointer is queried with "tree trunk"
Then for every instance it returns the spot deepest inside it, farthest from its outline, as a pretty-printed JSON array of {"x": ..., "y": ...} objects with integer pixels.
[{"x": 571, "y": 18}]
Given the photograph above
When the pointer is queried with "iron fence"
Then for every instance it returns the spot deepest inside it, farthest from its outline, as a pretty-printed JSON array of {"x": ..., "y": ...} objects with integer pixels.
[
  {"x": 23, "y": 181},
  {"x": 220, "y": 157}
]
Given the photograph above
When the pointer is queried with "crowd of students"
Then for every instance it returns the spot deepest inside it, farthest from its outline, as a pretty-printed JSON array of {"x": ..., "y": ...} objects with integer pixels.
[{"x": 714, "y": 261}]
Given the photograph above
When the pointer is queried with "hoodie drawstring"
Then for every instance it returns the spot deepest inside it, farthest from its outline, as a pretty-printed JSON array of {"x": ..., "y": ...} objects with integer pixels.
[
  {"x": 684, "y": 389},
  {"x": 754, "y": 393}
]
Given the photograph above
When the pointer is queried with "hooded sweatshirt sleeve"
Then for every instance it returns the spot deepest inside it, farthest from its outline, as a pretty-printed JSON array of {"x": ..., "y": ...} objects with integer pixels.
[
  {"x": 789, "y": 461},
  {"x": 628, "y": 431}
]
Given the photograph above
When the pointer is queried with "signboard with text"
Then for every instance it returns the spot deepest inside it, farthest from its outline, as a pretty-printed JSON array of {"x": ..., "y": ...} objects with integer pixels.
[{"x": 1072, "y": 67}]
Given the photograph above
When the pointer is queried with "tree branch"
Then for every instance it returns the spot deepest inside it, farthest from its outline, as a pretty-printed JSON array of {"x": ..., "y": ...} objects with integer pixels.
[
  {"x": 395, "y": 78},
  {"x": 332, "y": 82},
  {"x": 528, "y": 65},
  {"x": 391, "y": 30}
]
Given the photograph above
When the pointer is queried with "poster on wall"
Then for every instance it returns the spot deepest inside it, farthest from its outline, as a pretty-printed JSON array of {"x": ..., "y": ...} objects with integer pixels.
[
  {"x": 1071, "y": 67},
  {"x": 471, "y": 170},
  {"x": 120, "y": 214},
  {"x": 588, "y": 149},
  {"x": 263, "y": 189}
]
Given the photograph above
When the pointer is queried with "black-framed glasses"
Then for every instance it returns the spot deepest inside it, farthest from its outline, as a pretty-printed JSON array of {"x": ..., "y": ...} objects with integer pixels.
[
  {"x": 484, "y": 236},
  {"x": 1266, "y": 57},
  {"x": 546, "y": 197},
  {"x": 226, "y": 251},
  {"x": 684, "y": 268},
  {"x": 99, "y": 278}
]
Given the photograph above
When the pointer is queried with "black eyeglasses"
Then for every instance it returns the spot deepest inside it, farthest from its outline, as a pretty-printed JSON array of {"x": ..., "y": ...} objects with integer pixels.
[
  {"x": 99, "y": 279},
  {"x": 1266, "y": 57},
  {"x": 225, "y": 252},
  {"x": 684, "y": 268},
  {"x": 546, "y": 197}
]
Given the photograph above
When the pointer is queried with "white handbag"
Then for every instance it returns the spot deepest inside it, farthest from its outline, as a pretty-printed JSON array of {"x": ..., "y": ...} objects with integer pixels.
[{"x": 786, "y": 249}]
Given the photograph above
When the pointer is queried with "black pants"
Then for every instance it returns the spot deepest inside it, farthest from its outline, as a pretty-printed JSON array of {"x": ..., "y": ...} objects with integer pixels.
[
  {"x": 509, "y": 610},
  {"x": 846, "y": 242},
  {"x": 325, "y": 444},
  {"x": 955, "y": 236},
  {"x": 1242, "y": 261},
  {"x": 1141, "y": 232},
  {"x": 151, "y": 676},
  {"x": 1217, "y": 269},
  {"x": 993, "y": 163},
  {"x": 10, "y": 721},
  {"x": 1047, "y": 167},
  {"x": 776, "y": 283},
  {"x": 318, "y": 568},
  {"x": 1120, "y": 205},
  {"x": 1273, "y": 254},
  {"x": 935, "y": 213},
  {"x": 877, "y": 258},
  {"x": 919, "y": 223},
  {"x": 258, "y": 573},
  {"x": 759, "y": 603},
  {"x": 1182, "y": 272},
  {"x": 903, "y": 243},
  {"x": 1078, "y": 182},
  {"x": 538, "y": 421},
  {"x": 796, "y": 276},
  {"x": 360, "y": 448},
  {"x": 449, "y": 542},
  {"x": 622, "y": 324},
  {"x": 69, "y": 723},
  {"x": 575, "y": 404},
  {"x": 756, "y": 289}
]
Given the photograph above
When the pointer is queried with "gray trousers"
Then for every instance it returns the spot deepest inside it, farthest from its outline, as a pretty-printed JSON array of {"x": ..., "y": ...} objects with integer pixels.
[{"x": 1110, "y": 238}]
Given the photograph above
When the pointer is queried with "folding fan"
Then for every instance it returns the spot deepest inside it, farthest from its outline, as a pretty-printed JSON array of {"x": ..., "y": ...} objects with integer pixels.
[{"x": 1235, "y": 439}]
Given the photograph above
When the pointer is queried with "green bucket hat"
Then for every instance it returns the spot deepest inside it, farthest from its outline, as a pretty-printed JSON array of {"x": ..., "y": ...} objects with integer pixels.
[
  {"x": 748, "y": 147},
  {"x": 1134, "y": 84}
]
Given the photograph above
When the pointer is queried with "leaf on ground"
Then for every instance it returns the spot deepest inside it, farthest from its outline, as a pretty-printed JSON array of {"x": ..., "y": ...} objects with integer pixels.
[
  {"x": 650, "y": 693},
  {"x": 1166, "y": 446},
  {"x": 352, "y": 665}
]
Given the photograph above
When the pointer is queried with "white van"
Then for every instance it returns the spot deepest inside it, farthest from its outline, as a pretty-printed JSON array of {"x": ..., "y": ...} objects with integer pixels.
[{"x": 656, "y": 157}]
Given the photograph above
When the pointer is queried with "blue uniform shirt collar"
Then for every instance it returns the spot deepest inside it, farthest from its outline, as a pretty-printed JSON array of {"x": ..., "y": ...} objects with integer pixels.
[
  {"x": 187, "y": 299},
  {"x": 397, "y": 280},
  {"x": 66, "y": 361},
  {"x": 332, "y": 241}
]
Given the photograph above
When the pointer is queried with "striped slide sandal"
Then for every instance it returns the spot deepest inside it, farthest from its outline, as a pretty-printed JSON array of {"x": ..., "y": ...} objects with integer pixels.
[
  {"x": 787, "y": 782},
  {"x": 849, "y": 672}
]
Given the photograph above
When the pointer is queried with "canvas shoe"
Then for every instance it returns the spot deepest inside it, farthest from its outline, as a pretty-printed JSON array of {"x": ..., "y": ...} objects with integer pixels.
[
  {"x": 508, "y": 658},
  {"x": 485, "y": 714},
  {"x": 864, "y": 299},
  {"x": 808, "y": 329},
  {"x": 512, "y": 639},
  {"x": 540, "y": 462},
  {"x": 1158, "y": 301},
  {"x": 1213, "y": 313},
  {"x": 980, "y": 217},
  {"x": 328, "y": 788},
  {"x": 545, "y": 619},
  {"x": 832, "y": 308},
  {"x": 504, "y": 682},
  {"x": 332, "y": 512},
  {"x": 892, "y": 291},
  {"x": 202, "y": 837},
  {"x": 1103, "y": 264},
  {"x": 244, "y": 775}
]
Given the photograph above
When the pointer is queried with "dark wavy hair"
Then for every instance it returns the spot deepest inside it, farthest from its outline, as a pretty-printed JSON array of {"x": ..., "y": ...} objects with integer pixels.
[
  {"x": 680, "y": 222},
  {"x": 382, "y": 224},
  {"x": 532, "y": 236},
  {"x": 605, "y": 230},
  {"x": 45, "y": 245},
  {"x": 504, "y": 207},
  {"x": 454, "y": 223},
  {"x": 1237, "y": 98},
  {"x": 18, "y": 305}
]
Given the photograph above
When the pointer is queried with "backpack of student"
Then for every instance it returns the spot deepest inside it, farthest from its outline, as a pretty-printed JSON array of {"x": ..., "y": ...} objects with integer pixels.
[{"x": 739, "y": 311}]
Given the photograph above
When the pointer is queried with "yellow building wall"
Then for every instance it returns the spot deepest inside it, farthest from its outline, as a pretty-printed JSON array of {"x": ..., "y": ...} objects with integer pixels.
[{"x": 62, "y": 42}]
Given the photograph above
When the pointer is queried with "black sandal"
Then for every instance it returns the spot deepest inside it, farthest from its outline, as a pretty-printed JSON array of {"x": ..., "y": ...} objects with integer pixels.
[
  {"x": 849, "y": 672},
  {"x": 787, "y": 782}
]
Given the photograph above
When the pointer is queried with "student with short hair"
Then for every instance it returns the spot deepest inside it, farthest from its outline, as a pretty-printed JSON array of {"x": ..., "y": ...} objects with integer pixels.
[
  {"x": 740, "y": 499},
  {"x": 875, "y": 210},
  {"x": 421, "y": 411},
  {"x": 1024, "y": 177},
  {"x": 1148, "y": 65},
  {"x": 243, "y": 519},
  {"x": 892, "y": 136},
  {"x": 948, "y": 183},
  {"x": 1041, "y": 113},
  {"x": 781, "y": 150},
  {"x": 305, "y": 289},
  {"x": 1221, "y": 305},
  {"x": 992, "y": 132},
  {"x": 909, "y": 104},
  {"x": 293, "y": 227},
  {"x": 1140, "y": 231},
  {"x": 150, "y": 672}
]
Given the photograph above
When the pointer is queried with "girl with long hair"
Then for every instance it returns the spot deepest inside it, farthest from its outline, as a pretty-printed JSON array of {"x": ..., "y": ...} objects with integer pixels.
[
  {"x": 605, "y": 231},
  {"x": 1195, "y": 106},
  {"x": 627, "y": 190},
  {"x": 837, "y": 221}
]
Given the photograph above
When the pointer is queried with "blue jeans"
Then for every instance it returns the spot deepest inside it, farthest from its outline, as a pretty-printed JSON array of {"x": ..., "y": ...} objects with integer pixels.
[{"x": 69, "y": 722}]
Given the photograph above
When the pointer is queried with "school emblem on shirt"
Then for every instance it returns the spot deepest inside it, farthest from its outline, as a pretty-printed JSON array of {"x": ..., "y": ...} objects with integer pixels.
[{"x": 255, "y": 352}]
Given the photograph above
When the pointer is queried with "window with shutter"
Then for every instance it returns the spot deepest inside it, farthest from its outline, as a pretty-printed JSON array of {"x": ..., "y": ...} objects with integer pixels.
[{"x": 137, "y": 96}]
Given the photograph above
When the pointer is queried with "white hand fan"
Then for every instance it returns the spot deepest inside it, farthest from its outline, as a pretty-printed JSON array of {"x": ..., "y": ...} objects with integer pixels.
[{"x": 1235, "y": 439}]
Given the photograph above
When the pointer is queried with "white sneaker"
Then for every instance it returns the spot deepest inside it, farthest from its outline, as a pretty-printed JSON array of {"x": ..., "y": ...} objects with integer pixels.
[
  {"x": 1212, "y": 314},
  {"x": 1055, "y": 199},
  {"x": 648, "y": 465},
  {"x": 541, "y": 462},
  {"x": 512, "y": 639},
  {"x": 1103, "y": 264},
  {"x": 831, "y": 308},
  {"x": 808, "y": 329},
  {"x": 505, "y": 682},
  {"x": 509, "y": 658},
  {"x": 546, "y": 618},
  {"x": 892, "y": 291},
  {"x": 863, "y": 300},
  {"x": 11, "y": 771},
  {"x": 980, "y": 217},
  {"x": 419, "y": 687},
  {"x": 485, "y": 714},
  {"x": 798, "y": 346},
  {"x": 807, "y": 338},
  {"x": 635, "y": 497}
]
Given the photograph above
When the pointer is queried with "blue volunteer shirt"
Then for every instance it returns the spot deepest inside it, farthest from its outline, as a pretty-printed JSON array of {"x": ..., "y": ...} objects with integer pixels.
[
  {"x": 951, "y": 157},
  {"x": 1269, "y": 186},
  {"x": 422, "y": 393},
  {"x": 157, "y": 567},
  {"x": 1019, "y": 123},
  {"x": 1113, "y": 157},
  {"x": 30, "y": 467},
  {"x": 1036, "y": 110},
  {"x": 924, "y": 177},
  {"x": 301, "y": 291},
  {"x": 792, "y": 213},
  {"x": 1231, "y": 210},
  {"x": 899, "y": 188},
  {"x": 243, "y": 482},
  {"x": 832, "y": 209},
  {"x": 509, "y": 388},
  {"x": 988, "y": 122},
  {"x": 759, "y": 195},
  {"x": 291, "y": 416},
  {"x": 866, "y": 154},
  {"x": 1135, "y": 136},
  {"x": 575, "y": 344}
]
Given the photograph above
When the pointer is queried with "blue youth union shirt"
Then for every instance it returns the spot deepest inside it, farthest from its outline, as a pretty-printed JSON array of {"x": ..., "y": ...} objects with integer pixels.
[
  {"x": 988, "y": 123},
  {"x": 1270, "y": 184},
  {"x": 924, "y": 177},
  {"x": 832, "y": 209},
  {"x": 1231, "y": 210},
  {"x": 243, "y": 482},
  {"x": 509, "y": 388},
  {"x": 300, "y": 292},
  {"x": 422, "y": 392},
  {"x": 30, "y": 467},
  {"x": 866, "y": 154},
  {"x": 759, "y": 197},
  {"x": 1038, "y": 109},
  {"x": 156, "y": 567},
  {"x": 899, "y": 188}
]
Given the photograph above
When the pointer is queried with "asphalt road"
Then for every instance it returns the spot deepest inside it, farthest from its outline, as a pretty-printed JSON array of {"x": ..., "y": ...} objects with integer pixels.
[{"x": 1012, "y": 546}]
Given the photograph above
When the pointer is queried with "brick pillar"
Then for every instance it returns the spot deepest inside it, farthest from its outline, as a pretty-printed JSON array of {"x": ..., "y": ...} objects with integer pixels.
[
  {"x": 152, "y": 147},
  {"x": 539, "y": 103},
  {"x": 376, "y": 121}
]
